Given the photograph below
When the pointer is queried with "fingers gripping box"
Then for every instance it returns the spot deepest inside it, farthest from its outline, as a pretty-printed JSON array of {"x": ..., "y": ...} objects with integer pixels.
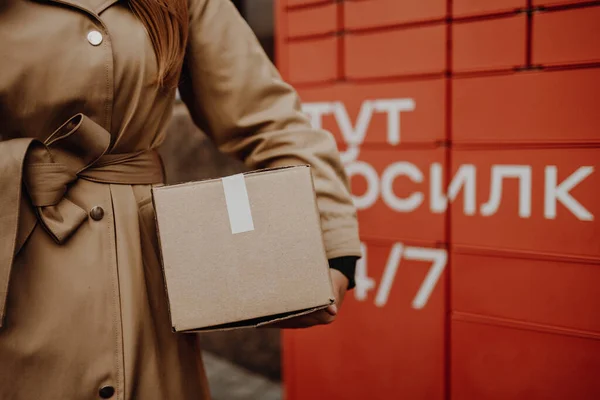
[{"x": 242, "y": 251}]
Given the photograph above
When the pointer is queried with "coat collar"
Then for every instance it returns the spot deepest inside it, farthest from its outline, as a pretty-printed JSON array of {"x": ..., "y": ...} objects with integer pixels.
[{"x": 94, "y": 7}]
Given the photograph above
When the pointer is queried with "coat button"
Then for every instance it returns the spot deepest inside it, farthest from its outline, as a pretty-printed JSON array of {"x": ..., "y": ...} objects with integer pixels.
[
  {"x": 94, "y": 37},
  {"x": 106, "y": 392},
  {"x": 97, "y": 213}
]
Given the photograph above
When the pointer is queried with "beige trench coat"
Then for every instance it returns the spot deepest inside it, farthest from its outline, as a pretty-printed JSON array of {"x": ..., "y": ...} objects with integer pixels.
[{"x": 84, "y": 312}]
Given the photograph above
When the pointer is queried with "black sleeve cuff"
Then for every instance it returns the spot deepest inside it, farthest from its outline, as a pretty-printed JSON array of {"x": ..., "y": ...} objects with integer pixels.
[{"x": 347, "y": 266}]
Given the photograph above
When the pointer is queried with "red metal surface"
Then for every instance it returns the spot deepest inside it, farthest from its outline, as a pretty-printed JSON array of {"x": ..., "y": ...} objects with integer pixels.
[
  {"x": 488, "y": 45},
  {"x": 318, "y": 20},
  {"x": 401, "y": 208},
  {"x": 551, "y": 292},
  {"x": 555, "y": 3},
  {"x": 369, "y": 14},
  {"x": 300, "y": 3},
  {"x": 515, "y": 315},
  {"x": 314, "y": 60},
  {"x": 522, "y": 362},
  {"x": 527, "y": 108},
  {"x": 471, "y": 8},
  {"x": 537, "y": 233},
  {"x": 566, "y": 37},
  {"x": 407, "y": 51}
]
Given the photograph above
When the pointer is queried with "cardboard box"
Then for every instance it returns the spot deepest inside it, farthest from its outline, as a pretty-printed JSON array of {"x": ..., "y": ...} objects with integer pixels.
[{"x": 242, "y": 251}]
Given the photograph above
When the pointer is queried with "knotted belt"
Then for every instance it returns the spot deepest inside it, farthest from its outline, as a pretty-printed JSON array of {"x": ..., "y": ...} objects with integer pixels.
[{"x": 77, "y": 150}]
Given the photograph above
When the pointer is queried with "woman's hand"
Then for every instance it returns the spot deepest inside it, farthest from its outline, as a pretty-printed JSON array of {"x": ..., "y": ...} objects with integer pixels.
[{"x": 320, "y": 317}]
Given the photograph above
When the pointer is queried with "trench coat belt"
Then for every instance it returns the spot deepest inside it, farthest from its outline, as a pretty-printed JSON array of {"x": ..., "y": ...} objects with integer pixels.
[{"x": 44, "y": 171}]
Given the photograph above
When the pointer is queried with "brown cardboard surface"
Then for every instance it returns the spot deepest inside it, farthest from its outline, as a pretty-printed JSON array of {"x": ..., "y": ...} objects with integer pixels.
[
  {"x": 219, "y": 280},
  {"x": 258, "y": 322}
]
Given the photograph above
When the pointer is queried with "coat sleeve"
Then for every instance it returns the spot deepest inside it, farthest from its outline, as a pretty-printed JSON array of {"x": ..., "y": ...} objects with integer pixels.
[
  {"x": 12, "y": 235},
  {"x": 235, "y": 94}
]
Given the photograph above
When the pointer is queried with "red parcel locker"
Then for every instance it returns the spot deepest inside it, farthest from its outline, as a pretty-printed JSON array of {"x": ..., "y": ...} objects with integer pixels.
[
  {"x": 300, "y": 3},
  {"x": 556, "y": 3},
  {"x": 380, "y": 114},
  {"x": 523, "y": 270},
  {"x": 527, "y": 108},
  {"x": 391, "y": 190},
  {"x": 473, "y": 8},
  {"x": 521, "y": 362},
  {"x": 317, "y": 20},
  {"x": 313, "y": 61},
  {"x": 546, "y": 205},
  {"x": 369, "y": 14},
  {"x": 489, "y": 44},
  {"x": 557, "y": 293},
  {"x": 381, "y": 347},
  {"x": 566, "y": 37},
  {"x": 407, "y": 51}
]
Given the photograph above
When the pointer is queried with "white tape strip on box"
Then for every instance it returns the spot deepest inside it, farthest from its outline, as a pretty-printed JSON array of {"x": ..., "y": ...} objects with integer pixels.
[{"x": 238, "y": 204}]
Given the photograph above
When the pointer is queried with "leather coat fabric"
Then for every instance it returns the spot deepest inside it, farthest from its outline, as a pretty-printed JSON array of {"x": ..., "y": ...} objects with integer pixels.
[{"x": 81, "y": 292}]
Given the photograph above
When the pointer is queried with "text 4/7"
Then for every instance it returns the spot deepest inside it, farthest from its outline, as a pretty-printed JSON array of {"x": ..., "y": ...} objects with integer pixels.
[{"x": 436, "y": 258}]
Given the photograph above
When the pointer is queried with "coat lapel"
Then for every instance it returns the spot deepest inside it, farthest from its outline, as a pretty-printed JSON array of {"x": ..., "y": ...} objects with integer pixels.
[
  {"x": 94, "y": 7},
  {"x": 103, "y": 5}
]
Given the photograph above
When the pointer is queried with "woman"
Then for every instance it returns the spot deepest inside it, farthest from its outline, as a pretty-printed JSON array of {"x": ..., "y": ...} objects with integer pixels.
[{"x": 86, "y": 91}]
